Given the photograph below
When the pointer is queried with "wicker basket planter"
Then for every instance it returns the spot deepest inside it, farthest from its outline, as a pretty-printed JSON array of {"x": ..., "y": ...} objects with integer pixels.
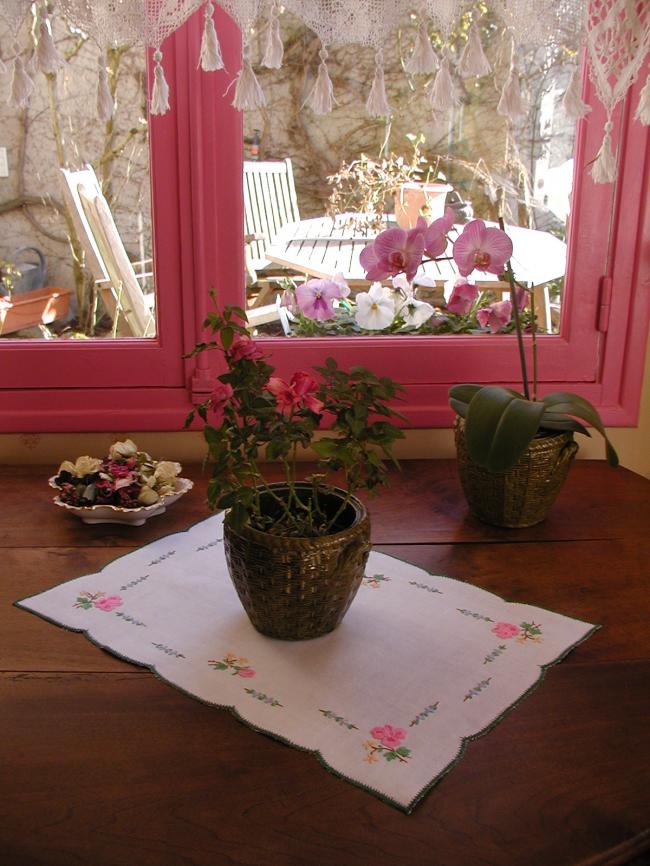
[
  {"x": 523, "y": 495},
  {"x": 299, "y": 588}
]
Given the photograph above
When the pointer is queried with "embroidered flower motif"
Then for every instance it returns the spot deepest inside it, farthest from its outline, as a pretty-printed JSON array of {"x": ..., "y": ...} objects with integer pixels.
[
  {"x": 387, "y": 743},
  {"x": 237, "y": 665},
  {"x": 376, "y": 580},
  {"x": 505, "y": 629},
  {"x": 100, "y": 600},
  {"x": 525, "y": 631}
]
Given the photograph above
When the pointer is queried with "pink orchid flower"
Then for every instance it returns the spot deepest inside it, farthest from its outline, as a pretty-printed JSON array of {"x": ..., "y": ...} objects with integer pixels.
[
  {"x": 496, "y": 316},
  {"x": 435, "y": 236},
  {"x": 108, "y": 602},
  {"x": 243, "y": 348},
  {"x": 462, "y": 296},
  {"x": 505, "y": 629},
  {"x": 220, "y": 398},
  {"x": 394, "y": 251},
  {"x": 481, "y": 248},
  {"x": 315, "y": 297},
  {"x": 298, "y": 394}
]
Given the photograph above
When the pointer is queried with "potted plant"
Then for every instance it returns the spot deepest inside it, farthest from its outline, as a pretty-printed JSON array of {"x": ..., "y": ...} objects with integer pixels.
[
  {"x": 514, "y": 449},
  {"x": 296, "y": 550}
]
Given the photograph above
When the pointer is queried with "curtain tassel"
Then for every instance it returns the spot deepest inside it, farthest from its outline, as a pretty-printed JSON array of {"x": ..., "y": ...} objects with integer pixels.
[
  {"x": 48, "y": 56},
  {"x": 572, "y": 102},
  {"x": 105, "y": 105},
  {"x": 511, "y": 103},
  {"x": 160, "y": 90},
  {"x": 443, "y": 94},
  {"x": 423, "y": 60},
  {"x": 603, "y": 169},
  {"x": 21, "y": 85},
  {"x": 248, "y": 93},
  {"x": 377, "y": 102},
  {"x": 473, "y": 62},
  {"x": 321, "y": 99},
  {"x": 643, "y": 108},
  {"x": 210, "y": 59},
  {"x": 274, "y": 49}
]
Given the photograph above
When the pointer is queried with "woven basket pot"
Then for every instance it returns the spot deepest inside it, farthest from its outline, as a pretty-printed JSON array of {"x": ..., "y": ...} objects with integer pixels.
[
  {"x": 524, "y": 494},
  {"x": 299, "y": 588}
]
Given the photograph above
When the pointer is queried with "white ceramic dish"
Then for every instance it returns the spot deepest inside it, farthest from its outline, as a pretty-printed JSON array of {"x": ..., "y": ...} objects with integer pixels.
[{"x": 115, "y": 514}]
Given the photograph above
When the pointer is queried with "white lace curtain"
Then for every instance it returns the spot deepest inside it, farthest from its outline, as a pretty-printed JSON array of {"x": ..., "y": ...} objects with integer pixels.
[{"x": 616, "y": 34}]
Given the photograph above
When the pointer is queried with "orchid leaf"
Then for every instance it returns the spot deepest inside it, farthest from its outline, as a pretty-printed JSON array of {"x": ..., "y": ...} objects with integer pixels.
[
  {"x": 464, "y": 393},
  {"x": 499, "y": 427},
  {"x": 459, "y": 407},
  {"x": 572, "y": 404},
  {"x": 560, "y": 421}
]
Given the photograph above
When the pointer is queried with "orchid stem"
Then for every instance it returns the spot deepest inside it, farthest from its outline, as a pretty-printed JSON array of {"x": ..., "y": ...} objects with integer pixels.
[
  {"x": 533, "y": 325},
  {"x": 515, "y": 308}
]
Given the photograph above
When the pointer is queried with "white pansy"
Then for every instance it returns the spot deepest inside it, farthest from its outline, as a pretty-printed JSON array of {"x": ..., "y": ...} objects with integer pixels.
[
  {"x": 147, "y": 496},
  {"x": 166, "y": 471},
  {"x": 415, "y": 313},
  {"x": 83, "y": 466},
  {"x": 122, "y": 450},
  {"x": 375, "y": 308}
]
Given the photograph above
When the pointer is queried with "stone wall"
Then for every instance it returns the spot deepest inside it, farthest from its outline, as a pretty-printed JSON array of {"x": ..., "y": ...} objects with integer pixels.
[{"x": 63, "y": 126}]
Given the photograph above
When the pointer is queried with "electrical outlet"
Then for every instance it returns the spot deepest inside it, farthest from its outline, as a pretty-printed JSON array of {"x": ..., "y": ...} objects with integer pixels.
[{"x": 4, "y": 165}]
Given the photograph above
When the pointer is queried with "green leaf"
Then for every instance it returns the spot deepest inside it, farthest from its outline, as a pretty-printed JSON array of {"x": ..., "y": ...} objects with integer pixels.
[
  {"x": 464, "y": 393},
  {"x": 325, "y": 447},
  {"x": 573, "y": 404},
  {"x": 559, "y": 421},
  {"x": 499, "y": 427},
  {"x": 403, "y": 751},
  {"x": 459, "y": 407},
  {"x": 226, "y": 338}
]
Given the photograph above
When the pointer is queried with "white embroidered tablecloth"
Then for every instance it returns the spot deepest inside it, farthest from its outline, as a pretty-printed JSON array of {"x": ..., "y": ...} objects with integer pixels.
[{"x": 419, "y": 665}]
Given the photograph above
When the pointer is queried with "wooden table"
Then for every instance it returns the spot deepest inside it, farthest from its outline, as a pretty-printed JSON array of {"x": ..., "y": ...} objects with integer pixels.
[
  {"x": 105, "y": 765},
  {"x": 323, "y": 246}
]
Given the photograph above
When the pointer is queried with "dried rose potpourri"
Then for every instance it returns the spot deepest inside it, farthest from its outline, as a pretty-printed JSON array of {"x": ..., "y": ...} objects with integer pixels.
[{"x": 127, "y": 478}]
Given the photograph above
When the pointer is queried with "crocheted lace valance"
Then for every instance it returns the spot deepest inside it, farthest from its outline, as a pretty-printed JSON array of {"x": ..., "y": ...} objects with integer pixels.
[{"x": 615, "y": 33}]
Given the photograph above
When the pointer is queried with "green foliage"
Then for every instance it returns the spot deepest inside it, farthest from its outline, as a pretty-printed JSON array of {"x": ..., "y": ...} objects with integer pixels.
[
  {"x": 247, "y": 418},
  {"x": 500, "y": 423}
]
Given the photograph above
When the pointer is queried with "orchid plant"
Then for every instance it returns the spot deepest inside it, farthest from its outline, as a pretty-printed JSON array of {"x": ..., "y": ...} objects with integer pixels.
[
  {"x": 325, "y": 307},
  {"x": 500, "y": 423},
  {"x": 253, "y": 414}
]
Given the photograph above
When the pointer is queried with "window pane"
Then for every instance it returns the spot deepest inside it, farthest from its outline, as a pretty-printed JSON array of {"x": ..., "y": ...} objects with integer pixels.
[
  {"x": 75, "y": 204},
  {"x": 355, "y": 175}
]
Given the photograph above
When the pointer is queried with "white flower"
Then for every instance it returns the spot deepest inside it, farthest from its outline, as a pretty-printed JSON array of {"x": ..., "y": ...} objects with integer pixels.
[
  {"x": 375, "y": 308},
  {"x": 121, "y": 450},
  {"x": 415, "y": 313},
  {"x": 83, "y": 466},
  {"x": 166, "y": 471},
  {"x": 147, "y": 496}
]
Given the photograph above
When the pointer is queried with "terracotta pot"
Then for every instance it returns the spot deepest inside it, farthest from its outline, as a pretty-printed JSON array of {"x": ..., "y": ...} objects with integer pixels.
[
  {"x": 38, "y": 307},
  {"x": 524, "y": 494},
  {"x": 299, "y": 588},
  {"x": 420, "y": 199}
]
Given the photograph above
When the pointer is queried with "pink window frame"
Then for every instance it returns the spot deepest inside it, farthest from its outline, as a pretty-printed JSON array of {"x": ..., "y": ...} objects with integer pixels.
[{"x": 196, "y": 158}]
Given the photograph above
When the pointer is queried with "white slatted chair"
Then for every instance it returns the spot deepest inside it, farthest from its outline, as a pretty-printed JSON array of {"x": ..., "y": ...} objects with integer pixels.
[
  {"x": 270, "y": 203},
  {"x": 106, "y": 257}
]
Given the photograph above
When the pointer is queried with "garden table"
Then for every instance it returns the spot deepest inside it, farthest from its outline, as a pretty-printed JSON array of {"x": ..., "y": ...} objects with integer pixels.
[
  {"x": 323, "y": 246},
  {"x": 104, "y": 764}
]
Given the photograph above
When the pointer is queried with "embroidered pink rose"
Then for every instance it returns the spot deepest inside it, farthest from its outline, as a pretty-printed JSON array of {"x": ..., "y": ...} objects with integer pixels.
[
  {"x": 505, "y": 629},
  {"x": 246, "y": 672},
  {"x": 389, "y": 736},
  {"x": 108, "y": 602}
]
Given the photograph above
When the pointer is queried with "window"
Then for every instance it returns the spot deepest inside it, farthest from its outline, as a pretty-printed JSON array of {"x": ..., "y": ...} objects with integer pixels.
[{"x": 198, "y": 218}]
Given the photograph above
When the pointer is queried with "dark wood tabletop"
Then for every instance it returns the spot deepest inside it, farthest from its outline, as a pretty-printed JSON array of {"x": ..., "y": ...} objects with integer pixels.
[{"x": 102, "y": 764}]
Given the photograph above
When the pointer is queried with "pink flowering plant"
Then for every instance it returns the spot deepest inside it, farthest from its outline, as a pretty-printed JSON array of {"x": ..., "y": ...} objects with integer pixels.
[
  {"x": 254, "y": 415},
  {"x": 500, "y": 423},
  {"x": 126, "y": 478}
]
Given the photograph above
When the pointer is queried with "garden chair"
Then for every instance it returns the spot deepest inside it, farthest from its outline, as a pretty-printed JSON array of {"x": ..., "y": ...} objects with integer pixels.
[{"x": 106, "y": 257}]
